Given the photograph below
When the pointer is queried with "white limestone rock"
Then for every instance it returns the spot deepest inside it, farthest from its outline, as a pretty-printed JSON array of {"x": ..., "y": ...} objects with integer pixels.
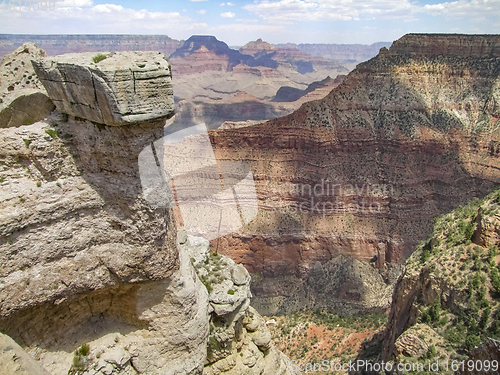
[
  {"x": 123, "y": 88},
  {"x": 23, "y": 100}
]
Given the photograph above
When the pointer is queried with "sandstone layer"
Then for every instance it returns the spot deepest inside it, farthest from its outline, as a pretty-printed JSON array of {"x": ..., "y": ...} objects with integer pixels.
[
  {"x": 363, "y": 171},
  {"x": 109, "y": 88}
]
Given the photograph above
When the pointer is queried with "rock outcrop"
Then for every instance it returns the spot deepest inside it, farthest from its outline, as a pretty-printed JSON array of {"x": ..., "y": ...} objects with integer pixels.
[
  {"x": 257, "y": 48},
  {"x": 444, "y": 302},
  {"x": 94, "y": 279},
  {"x": 84, "y": 255},
  {"x": 23, "y": 99},
  {"x": 111, "y": 88},
  {"x": 487, "y": 351},
  {"x": 239, "y": 341},
  {"x": 363, "y": 171}
]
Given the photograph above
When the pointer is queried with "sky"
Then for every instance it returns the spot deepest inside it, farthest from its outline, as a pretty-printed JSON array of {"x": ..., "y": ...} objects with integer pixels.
[{"x": 240, "y": 21}]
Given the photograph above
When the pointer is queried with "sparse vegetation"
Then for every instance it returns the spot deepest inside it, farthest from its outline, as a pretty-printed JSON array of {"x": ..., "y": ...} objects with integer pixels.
[
  {"x": 313, "y": 336},
  {"x": 51, "y": 132},
  {"x": 99, "y": 57},
  {"x": 474, "y": 312},
  {"x": 80, "y": 360}
]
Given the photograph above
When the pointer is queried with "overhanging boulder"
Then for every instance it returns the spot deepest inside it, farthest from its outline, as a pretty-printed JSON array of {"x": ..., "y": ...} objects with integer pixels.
[{"x": 122, "y": 88}]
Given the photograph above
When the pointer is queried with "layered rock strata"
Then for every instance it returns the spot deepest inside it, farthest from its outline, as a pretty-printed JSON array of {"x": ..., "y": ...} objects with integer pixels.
[
  {"x": 363, "y": 171},
  {"x": 109, "y": 88},
  {"x": 55, "y": 44}
]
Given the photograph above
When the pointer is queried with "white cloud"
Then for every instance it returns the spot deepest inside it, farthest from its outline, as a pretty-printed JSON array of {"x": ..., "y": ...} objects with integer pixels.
[
  {"x": 230, "y": 4},
  {"x": 74, "y": 3},
  {"x": 465, "y": 8},
  {"x": 228, "y": 15},
  {"x": 100, "y": 19},
  {"x": 289, "y": 11},
  {"x": 201, "y": 11},
  {"x": 196, "y": 1},
  {"x": 107, "y": 8}
]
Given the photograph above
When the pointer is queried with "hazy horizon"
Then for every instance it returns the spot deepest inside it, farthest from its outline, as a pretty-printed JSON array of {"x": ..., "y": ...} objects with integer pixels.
[{"x": 240, "y": 21}]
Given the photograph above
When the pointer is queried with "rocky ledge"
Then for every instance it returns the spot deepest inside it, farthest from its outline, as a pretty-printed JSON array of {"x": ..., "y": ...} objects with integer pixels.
[
  {"x": 239, "y": 341},
  {"x": 109, "y": 88}
]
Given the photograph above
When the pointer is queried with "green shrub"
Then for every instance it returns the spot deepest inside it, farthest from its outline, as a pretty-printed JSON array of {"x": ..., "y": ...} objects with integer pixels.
[
  {"x": 51, "y": 132},
  {"x": 471, "y": 342},
  {"x": 99, "y": 57},
  {"x": 26, "y": 142},
  {"x": 84, "y": 349},
  {"x": 231, "y": 292}
]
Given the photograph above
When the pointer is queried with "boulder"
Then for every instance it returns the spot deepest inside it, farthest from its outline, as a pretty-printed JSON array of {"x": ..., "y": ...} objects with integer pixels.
[
  {"x": 110, "y": 88},
  {"x": 15, "y": 361},
  {"x": 23, "y": 100}
]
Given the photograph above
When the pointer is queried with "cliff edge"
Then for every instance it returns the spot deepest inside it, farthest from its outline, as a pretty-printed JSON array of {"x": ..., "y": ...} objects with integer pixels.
[{"x": 94, "y": 280}]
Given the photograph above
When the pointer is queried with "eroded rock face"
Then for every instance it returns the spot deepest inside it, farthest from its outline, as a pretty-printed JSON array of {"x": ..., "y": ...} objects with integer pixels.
[
  {"x": 239, "y": 341},
  {"x": 14, "y": 360},
  {"x": 23, "y": 99},
  {"x": 123, "y": 88},
  {"x": 489, "y": 350},
  {"x": 83, "y": 253},
  {"x": 431, "y": 45},
  {"x": 363, "y": 171},
  {"x": 86, "y": 260}
]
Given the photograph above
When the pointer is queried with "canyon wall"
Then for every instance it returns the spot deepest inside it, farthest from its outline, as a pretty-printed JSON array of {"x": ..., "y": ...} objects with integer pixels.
[
  {"x": 60, "y": 44},
  {"x": 340, "y": 52},
  {"x": 361, "y": 173}
]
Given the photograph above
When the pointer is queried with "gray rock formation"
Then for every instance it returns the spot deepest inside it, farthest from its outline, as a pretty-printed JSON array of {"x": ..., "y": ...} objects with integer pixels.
[
  {"x": 14, "y": 360},
  {"x": 124, "y": 87},
  {"x": 23, "y": 100},
  {"x": 239, "y": 341},
  {"x": 93, "y": 280}
]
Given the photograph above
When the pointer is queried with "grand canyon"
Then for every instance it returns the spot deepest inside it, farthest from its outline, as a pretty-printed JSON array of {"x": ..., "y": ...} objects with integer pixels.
[{"x": 374, "y": 170}]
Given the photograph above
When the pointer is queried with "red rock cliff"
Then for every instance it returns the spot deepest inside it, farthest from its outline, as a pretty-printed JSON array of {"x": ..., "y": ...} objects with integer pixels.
[{"x": 410, "y": 134}]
